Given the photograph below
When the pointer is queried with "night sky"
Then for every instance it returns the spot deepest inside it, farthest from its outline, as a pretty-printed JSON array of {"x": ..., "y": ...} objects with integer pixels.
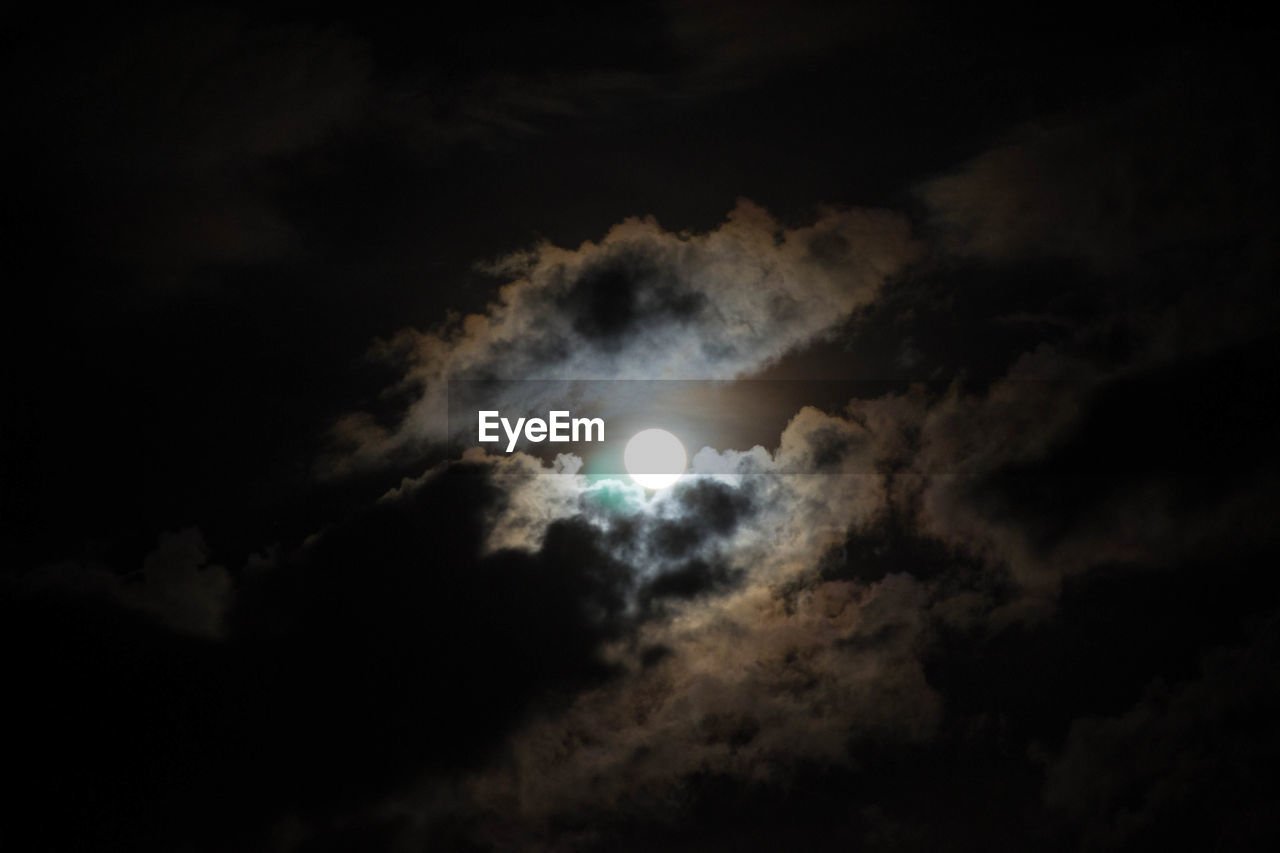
[{"x": 968, "y": 319}]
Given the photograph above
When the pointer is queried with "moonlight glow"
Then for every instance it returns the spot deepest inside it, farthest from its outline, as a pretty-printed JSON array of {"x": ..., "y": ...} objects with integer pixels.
[{"x": 654, "y": 458}]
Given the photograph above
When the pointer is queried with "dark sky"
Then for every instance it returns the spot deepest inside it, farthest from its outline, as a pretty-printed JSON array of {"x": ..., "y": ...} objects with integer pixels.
[{"x": 975, "y": 311}]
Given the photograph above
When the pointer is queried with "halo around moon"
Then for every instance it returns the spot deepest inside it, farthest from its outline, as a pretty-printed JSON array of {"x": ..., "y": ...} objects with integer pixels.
[{"x": 654, "y": 458}]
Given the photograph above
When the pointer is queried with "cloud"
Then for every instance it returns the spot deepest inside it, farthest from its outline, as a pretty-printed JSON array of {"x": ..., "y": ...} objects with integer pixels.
[
  {"x": 176, "y": 143},
  {"x": 434, "y": 112},
  {"x": 749, "y": 687},
  {"x": 740, "y": 659},
  {"x": 729, "y": 45},
  {"x": 1178, "y": 159},
  {"x": 510, "y": 644},
  {"x": 164, "y": 137},
  {"x": 900, "y": 595},
  {"x": 1189, "y": 763},
  {"x": 812, "y": 624},
  {"x": 643, "y": 303},
  {"x": 388, "y": 646},
  {"x": 176, "y": 586}
]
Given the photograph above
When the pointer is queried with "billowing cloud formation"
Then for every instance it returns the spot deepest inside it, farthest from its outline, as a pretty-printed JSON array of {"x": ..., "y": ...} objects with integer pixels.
[
  {"x": 794, "y": 610},
  {"x": 643, "y": 303},
  {"x": 845, "y": 579}
]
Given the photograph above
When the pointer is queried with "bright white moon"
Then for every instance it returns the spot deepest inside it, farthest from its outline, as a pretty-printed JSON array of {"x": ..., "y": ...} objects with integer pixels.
[{"x": 654, "y": 458}]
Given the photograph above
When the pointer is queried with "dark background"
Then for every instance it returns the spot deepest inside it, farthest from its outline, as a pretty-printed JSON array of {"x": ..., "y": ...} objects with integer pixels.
[{"x": 213, "y": 212}]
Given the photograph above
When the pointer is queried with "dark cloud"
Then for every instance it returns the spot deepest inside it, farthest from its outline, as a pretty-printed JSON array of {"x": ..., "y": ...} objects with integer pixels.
[
  {"x": 160, "y": 138},
  {"x": 688, "y": 580},
  {"x": 643, "y": 303},
  {"x": 622, "y": 296},
  {"x": 707, "y": 510},
  {"x": 887, "y": 546},
  {"x": 388, "y": 647},
  {"x": 176, "y": 585},
  {"x": 1180, "y": 159},
  {"x": 1016, "y": 591},
  {"x": 1190, "y": 763},
  {"x": 399, "y": 644},
  {"x": 729, "y": 45}
]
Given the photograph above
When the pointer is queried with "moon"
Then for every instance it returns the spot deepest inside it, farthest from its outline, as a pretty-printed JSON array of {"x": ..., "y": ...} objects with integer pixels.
[{"x": 654, "y": 458}]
